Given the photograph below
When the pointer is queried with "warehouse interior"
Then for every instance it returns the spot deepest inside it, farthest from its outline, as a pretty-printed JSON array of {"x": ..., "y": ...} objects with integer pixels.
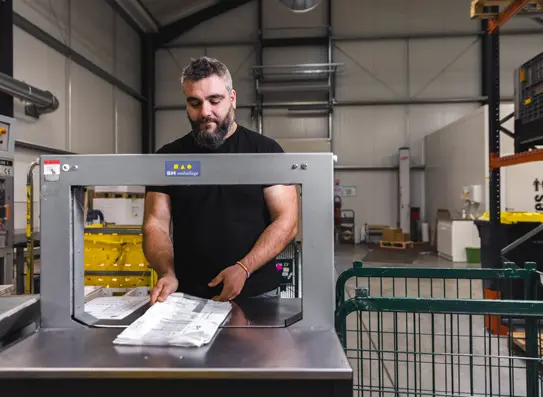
[{"x": 412, "y": 130}]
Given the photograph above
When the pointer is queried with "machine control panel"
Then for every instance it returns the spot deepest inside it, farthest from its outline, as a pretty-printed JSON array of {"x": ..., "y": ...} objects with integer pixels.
[{"x": 4, "y": 137}]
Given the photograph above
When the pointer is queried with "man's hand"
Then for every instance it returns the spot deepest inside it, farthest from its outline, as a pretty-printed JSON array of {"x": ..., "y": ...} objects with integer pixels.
[
  {"x": 165, "y": 286},
  {"x": 233, "y": 279}
]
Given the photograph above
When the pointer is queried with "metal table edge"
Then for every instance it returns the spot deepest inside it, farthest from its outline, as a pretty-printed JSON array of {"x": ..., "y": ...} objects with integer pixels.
[{"x": 182, "y": 373}]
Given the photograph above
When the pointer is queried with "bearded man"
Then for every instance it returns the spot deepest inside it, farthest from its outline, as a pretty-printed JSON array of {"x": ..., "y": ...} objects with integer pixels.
[{"x": 226, "y": 237}]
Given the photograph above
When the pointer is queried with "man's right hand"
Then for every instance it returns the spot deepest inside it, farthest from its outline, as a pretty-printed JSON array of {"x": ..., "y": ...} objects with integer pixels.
[{"x": 165, "y": 286}]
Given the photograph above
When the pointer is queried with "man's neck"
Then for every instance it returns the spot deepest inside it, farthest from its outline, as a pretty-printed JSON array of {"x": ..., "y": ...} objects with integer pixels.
[{"x": 233, "y": 129}]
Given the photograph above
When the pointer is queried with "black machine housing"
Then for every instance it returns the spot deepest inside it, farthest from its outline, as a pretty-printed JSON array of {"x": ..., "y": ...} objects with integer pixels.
[{"x": 529, "y": 105}]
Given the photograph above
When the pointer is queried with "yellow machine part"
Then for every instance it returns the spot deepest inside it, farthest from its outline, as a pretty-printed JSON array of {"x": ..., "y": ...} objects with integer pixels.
[
  {"x": 515, "y": 217},
  {"x": 116, "y": 260}
]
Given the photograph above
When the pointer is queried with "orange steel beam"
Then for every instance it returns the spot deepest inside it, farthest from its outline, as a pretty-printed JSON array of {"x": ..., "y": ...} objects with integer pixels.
[
  {"x": 514, "y": 159},
  {"x": 511, "y": 10}
]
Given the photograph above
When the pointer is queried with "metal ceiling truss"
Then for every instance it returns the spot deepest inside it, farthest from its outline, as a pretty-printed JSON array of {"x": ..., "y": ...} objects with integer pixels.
[{"x": 175, "y": 29}]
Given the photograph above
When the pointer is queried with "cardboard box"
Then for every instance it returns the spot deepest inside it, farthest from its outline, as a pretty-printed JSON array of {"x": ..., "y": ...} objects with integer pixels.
[{"x": 395, "y": 235}]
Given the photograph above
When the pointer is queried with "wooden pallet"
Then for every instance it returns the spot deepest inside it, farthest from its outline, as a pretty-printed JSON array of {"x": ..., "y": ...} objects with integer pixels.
[
  {"x": 396, "y": 244},
  {"x": 477, "y": 10},
  {"x": 519, "y": 339}
]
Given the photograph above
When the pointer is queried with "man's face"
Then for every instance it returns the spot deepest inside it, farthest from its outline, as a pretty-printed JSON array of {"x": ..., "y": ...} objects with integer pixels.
[{"x": 210, "y": 109}]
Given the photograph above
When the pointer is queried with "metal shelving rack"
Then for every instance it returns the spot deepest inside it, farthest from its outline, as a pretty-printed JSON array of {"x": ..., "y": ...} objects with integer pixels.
[
  {"x": 313, "y": 82},
  {"x": 493, "y": 19}
]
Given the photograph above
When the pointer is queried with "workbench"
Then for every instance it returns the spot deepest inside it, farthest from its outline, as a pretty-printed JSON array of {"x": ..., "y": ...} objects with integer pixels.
[
  {"x": 269, "y": 346},
  {"x": 268, "y": 359}
]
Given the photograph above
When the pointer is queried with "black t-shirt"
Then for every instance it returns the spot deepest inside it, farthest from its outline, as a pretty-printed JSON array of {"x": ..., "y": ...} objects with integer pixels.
[{"x": 216, "y": 226}]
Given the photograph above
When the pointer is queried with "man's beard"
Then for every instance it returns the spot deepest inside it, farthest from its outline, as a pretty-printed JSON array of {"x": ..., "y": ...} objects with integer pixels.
[{"x": 212, "y": 139}]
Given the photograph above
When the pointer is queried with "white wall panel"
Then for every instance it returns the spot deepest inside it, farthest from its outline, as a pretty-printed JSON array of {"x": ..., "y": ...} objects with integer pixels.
[
  {"x": 128, "y": 123},
  {"x": 170, "y": 64},
  {"x": 47, "y": 74},
  {"x": 226, "y": 27},
  {"x": 426, "y": 119},
  {"x": 92, "y": 119},
  {"x": 521, "y": 22},
  {"x": 51, "y": 16},
  {"x": 92, "y": 32},
  {"x": 278, "y": 124},
  {"x": 514, "y": 51},
  {"x": 244, "y": 118},
  {"x": 294, "y": 55},
  {"x": 376, "y": 200},
  {"x": 279, "y": 21},
  {"x": 455, "y": 157},
  {"x": 127, "y": 54},
  {"x": 444, "y": 68},
  {"x": 397, "y": 69},
  {"x": 378, "y": 17},
  {"x": 304, "y": 145},
  {"x": 373, "y": 70},
  {"x": 368, "y": 136},
  {"x": 170, "y": 125}
]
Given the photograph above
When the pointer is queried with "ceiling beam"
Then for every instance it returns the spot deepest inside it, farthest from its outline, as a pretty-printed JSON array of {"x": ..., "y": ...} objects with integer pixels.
[
  {"x": 121, "y": 12},
  {"x": 175, "y": 29}
]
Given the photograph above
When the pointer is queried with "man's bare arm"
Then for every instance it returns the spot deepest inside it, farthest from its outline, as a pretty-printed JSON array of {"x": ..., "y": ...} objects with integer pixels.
[
  {"x": 157, "y": 244},
  {"x": 282, "y": 203}
]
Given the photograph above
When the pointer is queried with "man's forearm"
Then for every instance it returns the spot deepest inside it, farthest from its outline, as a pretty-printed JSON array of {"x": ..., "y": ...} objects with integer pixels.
[
  {"x": 271, "y": 242},
  {"x": 158, "y": 249}
]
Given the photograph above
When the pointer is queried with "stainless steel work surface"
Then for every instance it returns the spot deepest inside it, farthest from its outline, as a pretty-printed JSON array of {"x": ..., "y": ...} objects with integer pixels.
[
  {"x": 252, "y": 312},
  {"x": 16, "y": 312},
  {"x": 235, "y": 353}
]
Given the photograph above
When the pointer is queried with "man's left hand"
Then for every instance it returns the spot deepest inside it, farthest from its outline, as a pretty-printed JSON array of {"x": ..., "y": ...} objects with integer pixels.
[{"x": 233, "y": 279}]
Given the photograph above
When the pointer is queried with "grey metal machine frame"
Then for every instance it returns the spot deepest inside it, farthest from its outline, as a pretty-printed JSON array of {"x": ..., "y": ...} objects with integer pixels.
[
  {"x": 297, "y": 358},
  {"x": 62, "y": 224},
  {"x": 7, "y": 158}
]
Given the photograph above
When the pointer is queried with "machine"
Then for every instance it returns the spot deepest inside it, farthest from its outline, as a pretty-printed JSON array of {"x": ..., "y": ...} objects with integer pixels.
[
  {"x": 7, "y": 149},
  {"x": 285, "y": 347},
  {"x": 529, "y": 105}
]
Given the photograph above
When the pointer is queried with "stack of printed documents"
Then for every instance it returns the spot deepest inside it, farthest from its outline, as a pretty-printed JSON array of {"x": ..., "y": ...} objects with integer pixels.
[{"x": 181, "y": 320}]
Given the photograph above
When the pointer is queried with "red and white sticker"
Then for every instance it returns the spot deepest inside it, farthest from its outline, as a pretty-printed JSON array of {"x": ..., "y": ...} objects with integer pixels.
[{"x": 51, "y": 169}]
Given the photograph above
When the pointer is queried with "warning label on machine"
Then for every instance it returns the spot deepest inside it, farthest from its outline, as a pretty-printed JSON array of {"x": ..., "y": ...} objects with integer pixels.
[
  {"x": 6, "y": 168},
  {"x": 51, "y": 170}
]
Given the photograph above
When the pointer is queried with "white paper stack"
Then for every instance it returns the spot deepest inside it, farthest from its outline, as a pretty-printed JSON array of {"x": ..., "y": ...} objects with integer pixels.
[{"x": 181, "y": 320}]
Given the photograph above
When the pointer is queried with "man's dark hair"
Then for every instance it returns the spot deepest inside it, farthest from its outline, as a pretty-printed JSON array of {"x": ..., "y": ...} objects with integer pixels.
[{"x": 204, "y": 67}]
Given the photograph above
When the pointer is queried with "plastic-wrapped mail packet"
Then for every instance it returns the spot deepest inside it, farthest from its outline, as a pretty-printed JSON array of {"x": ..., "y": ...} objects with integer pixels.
[{"x": 181, "y": 320}]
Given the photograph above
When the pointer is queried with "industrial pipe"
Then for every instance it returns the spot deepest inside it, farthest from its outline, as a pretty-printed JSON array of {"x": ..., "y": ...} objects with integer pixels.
[{"x": 39, "y": 101}]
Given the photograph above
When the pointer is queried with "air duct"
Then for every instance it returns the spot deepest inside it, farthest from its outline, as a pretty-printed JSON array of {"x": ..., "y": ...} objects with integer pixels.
[{"x": 38, "y": 102}]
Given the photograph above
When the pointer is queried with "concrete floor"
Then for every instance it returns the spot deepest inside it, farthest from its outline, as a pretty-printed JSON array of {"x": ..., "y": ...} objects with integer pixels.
[{"x": 425, "y": 354}]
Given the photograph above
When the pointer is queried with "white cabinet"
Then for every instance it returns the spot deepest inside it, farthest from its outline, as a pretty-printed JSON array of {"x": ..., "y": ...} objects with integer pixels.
[{"x": 454, "y": 236}]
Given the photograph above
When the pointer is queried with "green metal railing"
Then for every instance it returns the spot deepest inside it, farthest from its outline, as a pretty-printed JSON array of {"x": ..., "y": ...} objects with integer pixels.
[
  {"x": 424, "y": 332},
  {"x": 406, "y": 277}
]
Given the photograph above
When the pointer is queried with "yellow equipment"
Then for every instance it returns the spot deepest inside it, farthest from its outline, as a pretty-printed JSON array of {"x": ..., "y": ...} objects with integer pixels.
[{"x": 114, "y": 258}]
